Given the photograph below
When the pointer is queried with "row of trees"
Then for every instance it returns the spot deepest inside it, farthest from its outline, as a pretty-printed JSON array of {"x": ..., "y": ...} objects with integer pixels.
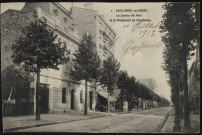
[
  {"x": 132, "y": 90},
  {"x": 180, "y": 26},
  {"x": 88, "y": 66},
  {"x": 38, "y": 47}
]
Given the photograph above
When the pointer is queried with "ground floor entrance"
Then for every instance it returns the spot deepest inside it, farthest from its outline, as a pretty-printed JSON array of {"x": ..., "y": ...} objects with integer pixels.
[
  {"x": 44, "y": 97},
  {"x": 72, "y": 99}
]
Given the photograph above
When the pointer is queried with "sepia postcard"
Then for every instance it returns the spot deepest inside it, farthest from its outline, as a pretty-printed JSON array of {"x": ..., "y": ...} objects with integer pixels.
[{"x": 100, "y": 67}]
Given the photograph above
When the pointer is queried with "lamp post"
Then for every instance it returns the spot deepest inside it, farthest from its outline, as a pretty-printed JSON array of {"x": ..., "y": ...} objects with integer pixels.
[{"x": 177, "y": 126}]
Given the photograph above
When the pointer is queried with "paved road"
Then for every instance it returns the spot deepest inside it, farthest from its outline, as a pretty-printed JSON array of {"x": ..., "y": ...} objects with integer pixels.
[{"x": 149, "y": 121}]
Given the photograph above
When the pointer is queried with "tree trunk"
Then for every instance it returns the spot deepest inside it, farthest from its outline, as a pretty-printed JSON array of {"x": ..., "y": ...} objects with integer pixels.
[
  {"x": 86, "y": 92},
  {"x": 37, "y": 95},
  {"x": 187, "y": 125},
  {"x": 138, "y": 103},
  {"x": 122, "y": 103},
  {"x": 180, "y": 103},
  {"x": 94, "y": 95},
  {"x": 108, "y": 108}
]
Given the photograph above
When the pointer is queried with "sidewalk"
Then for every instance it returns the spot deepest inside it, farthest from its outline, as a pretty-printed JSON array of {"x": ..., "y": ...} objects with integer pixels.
[
  {"x": 22, "y": 122},
  {"x": 194, "y": 121}
]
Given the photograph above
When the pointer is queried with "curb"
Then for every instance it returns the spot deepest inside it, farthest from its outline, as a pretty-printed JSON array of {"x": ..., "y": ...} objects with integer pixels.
[
  {"x": 166, "y": 121},
  {"x": 46, "y": 124}
]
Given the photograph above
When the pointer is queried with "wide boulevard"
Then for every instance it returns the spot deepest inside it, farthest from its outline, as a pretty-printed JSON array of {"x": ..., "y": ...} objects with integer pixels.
[{"x": 137, "y": 121}]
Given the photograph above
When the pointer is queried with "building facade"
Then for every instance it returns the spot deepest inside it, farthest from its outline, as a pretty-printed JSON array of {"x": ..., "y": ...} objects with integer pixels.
[
  {"x": 194, "y": 84},
  {"x": 58, "y": 92},
  {"x": 89, "y": 21},
  {"x": 150, "y": 83}
]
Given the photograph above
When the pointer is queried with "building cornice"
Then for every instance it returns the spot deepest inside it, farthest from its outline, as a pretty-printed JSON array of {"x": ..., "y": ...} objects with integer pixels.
[
  {"x": 63, "y": 9},
  {"x": 67, "y": 80},
  {"x": 57, "y": 26}
]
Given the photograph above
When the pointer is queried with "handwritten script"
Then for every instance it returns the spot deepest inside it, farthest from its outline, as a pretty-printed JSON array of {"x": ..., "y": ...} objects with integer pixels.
[
  {"x": 130, "y": 47},
  {"x": 141, "y": 29}
]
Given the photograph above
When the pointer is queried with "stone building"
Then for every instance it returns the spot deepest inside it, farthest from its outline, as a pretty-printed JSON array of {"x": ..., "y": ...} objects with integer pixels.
[{"x": 58, "y": 92}]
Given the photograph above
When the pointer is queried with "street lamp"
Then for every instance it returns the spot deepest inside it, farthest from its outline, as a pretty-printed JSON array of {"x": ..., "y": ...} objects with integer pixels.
[{"x": 177, "y": 126}]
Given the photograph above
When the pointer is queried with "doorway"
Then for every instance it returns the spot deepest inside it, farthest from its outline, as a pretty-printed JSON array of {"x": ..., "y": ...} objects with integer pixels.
[
  {"x": 44, "y": 97},
  {"x": 91, "y": 99},
  {"x": 72, "y": 99}
]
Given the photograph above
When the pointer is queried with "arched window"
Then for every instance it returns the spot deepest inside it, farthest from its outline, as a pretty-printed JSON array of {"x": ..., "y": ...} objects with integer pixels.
[{"x": 63, "y": 95}]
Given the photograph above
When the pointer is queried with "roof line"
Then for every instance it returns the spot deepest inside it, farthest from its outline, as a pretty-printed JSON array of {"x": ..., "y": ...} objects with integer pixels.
[
  {"x": 63, "y": 9},
  {"x": 85, "y": 8},
  {"x": 100, "y": 17}
]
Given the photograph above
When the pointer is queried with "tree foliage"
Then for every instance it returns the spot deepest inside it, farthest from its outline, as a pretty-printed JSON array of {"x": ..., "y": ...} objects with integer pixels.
[
  {"x": 109, "y": 73},
  {"x": 86, "y": 64},
  {"x": 132, "y": 89},
  {"x": 15, "y": 77},
  {"x": 179, "y": 27},
  {"x": 180, "y": 33},
  {"x": 38, "y": 46}
]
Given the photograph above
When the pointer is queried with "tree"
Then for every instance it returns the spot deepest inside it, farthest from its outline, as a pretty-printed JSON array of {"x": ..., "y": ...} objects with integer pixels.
[
  {"x": 109, "y": 75},
  {"x": 37, "y": 48},
  {"x": 86, "y": 63},
  {"x": 122, "y": 84},
  {"x": 15, "y": 78},
  {"x": 138, "y": 92},
  {"x": 130, "y": 91},
  {"x": 96, "y": 72},
  {"x": 180, "y": 28}
]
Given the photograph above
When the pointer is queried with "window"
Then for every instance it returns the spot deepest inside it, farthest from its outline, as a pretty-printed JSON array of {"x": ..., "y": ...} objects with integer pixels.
[
  {"x": 63, "y": 95},
  {"x": 81, "y": 96},
  {"x": 104, "y": 48},
  {"x": 100, "y": 46},
  {"x": 100, "y": 31},
  {"x": 65, "y": 19},
  {"x": 55, "y": 12}
]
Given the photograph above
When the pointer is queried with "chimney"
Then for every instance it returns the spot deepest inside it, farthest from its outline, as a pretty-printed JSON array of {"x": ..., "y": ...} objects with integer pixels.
[{"x": 88, "y": 5}]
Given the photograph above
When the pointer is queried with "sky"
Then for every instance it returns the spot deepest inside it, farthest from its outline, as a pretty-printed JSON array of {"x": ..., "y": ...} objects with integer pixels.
[{"x": 145, "y": 62}]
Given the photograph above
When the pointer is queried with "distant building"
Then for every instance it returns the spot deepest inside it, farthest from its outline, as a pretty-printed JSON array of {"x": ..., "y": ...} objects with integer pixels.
[
  {"x": 194, "y": 84},
  {"x": 150, "y": 83}
]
